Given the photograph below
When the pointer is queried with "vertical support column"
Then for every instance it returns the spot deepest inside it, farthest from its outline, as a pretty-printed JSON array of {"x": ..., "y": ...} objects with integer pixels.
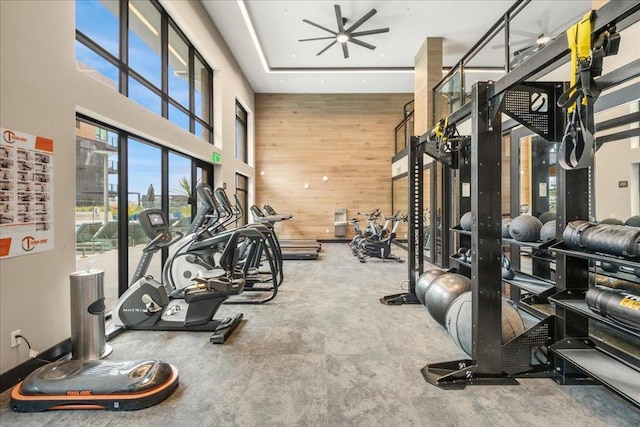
[
  {"x": 416, "y": 235},
  {"x": 486, "y": 242},
  {"x": 427, "y": 72}
]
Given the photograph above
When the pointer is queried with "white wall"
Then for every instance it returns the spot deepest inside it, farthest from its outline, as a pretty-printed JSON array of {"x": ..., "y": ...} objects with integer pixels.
[{"x": 41, "y": 92}]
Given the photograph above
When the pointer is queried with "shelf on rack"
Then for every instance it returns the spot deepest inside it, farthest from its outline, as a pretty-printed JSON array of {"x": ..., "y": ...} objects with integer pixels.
[
  {"x": 534, "y": 308},
  {"x": 574, "y": 300},
  {"x": 612, "y": 373},
  {"x": 531, "y": 284},
  {"x": 459, "y": 230},
  {"x": 536, "y": 245},
  {"x": 457, "y": 259},
  {"x": 629, "y": 277},
  {"x": 560, "y": 247}
]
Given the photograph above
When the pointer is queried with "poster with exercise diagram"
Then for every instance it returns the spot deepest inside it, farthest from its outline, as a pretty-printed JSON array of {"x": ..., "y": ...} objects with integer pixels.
[{"x": 26, "y": 202}]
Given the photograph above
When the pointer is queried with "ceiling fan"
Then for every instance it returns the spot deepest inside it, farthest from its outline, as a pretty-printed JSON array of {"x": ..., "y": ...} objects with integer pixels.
[{"x": 343, "y": 35}]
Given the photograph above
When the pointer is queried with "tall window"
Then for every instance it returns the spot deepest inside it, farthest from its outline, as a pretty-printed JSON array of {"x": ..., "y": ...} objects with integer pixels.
[
  {"x": 241, "y": 133},
  {"x": 118, "y": 175},
  {"x": 134, "y": 47},
  {"x": 242, "y": 191}
]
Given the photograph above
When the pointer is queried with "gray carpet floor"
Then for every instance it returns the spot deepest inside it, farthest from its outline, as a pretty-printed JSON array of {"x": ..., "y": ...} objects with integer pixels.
[{"x": 325, "y": 352}]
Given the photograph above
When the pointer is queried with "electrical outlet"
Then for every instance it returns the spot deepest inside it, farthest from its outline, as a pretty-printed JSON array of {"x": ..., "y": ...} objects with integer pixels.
[{"x": 15, "y": 340}]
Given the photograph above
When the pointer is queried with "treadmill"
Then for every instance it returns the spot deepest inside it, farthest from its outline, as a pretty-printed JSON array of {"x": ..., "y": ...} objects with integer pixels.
[{"x": 292, "y": 249}]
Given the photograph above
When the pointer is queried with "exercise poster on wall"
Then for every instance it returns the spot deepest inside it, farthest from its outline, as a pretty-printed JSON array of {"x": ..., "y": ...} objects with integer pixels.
[{"x": 26, "y": 202}]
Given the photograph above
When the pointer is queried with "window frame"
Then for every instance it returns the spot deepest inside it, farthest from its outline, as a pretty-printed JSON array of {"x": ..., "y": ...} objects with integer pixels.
[
  {"x": 126, "y": 72},
  {"x": 245, "y": 126}
]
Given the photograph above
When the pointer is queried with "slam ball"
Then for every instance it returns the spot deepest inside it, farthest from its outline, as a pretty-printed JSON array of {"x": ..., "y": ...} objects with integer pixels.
[
  {"x": 548, "y": 231},
  {"x": 443, "y": 291},
  {"x": 545, "y": 217},
  {"x": 424, "y": 281},
  {"x": 506, "y": 222},
  {"x": 613, "y": 221},
  {"x": 633, "y": 221},
  {"x": 466, "y": 221},
  {"x": 525, "y": 228}
]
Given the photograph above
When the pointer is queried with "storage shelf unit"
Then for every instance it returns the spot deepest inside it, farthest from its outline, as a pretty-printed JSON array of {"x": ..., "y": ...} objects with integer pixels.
[
  {"x": 488, "y": 101},
  {"x": 574, "y": 301},
  {"x": 609, "y": 371},
  {"x": 561, "y": 248},
  {"x": 532, "y": 284},
  {"x": 459, "y": 230}
]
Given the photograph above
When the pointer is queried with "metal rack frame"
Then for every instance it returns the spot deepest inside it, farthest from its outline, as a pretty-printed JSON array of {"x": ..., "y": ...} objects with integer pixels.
[{"x": 491, "y": 360}]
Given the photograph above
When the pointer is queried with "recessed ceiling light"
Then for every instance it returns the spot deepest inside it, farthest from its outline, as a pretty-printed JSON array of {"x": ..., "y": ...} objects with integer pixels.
[
  {"x": 382, "y": 55},
  {"x": 321, "y": 81},
  {"x": 293, "y": 56},
  {"x": 281, "y": 81},
  {"x": 363, "y": 80}
]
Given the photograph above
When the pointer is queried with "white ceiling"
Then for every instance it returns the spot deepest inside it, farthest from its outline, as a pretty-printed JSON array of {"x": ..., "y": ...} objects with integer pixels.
[{"x": 294, "y": 67}]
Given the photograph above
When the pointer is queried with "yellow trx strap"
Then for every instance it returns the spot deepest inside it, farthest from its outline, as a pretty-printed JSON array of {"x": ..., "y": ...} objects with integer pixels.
[
  {"x": 441, "y": 128},
  {"x": 579, "y": 38}
]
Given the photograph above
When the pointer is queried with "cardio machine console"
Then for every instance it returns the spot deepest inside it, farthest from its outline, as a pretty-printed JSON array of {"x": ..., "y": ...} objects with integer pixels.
[{"x": 154, "y": 223}]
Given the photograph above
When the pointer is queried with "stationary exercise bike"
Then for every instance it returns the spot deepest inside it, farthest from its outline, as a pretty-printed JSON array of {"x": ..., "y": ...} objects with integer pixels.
[
  {"x": 146, "y": 304},
  {"x": 370, "y": 248}
]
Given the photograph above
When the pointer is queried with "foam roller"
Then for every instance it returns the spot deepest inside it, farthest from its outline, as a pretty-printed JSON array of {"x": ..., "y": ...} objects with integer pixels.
[
  {"x": 618, "y": 305},
  {"x": 611, "y": 239}
]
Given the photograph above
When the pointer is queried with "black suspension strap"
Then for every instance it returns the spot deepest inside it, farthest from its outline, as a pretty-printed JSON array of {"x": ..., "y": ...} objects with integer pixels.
[{"x": 578, "y": 145}]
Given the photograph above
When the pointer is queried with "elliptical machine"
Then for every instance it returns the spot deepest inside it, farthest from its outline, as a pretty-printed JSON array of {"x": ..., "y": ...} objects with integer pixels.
[
  {"x": 147, "y": 306},
  {"x": 199, "y": 252},
  {"x": 374, "y": 248}
]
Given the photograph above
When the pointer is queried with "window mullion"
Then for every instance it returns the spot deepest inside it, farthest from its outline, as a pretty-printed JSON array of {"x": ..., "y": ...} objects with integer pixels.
[{"x": 164, "y": 53}]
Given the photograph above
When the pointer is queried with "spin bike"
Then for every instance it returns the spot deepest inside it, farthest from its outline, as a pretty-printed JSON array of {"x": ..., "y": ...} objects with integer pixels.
[{"x": 380, "y": 248}]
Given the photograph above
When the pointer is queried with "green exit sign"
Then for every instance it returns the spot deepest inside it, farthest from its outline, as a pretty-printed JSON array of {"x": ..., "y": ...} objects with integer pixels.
[{"x": 216, "y": 158}]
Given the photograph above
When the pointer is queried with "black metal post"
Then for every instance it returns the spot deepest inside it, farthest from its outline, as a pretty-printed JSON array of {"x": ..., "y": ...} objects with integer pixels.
[{"x": 486, "y": 244}]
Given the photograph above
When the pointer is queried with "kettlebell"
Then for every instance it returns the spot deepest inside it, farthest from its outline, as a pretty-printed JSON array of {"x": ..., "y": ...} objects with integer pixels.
[
  {"x": 507, "y": 271},
  {"x": 462, "y": 254}
]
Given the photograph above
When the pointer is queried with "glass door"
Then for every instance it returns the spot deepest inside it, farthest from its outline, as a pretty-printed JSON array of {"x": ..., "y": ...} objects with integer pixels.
[
  {"x": 96, "y": 213},
  {"x": 145, "y": 192}
]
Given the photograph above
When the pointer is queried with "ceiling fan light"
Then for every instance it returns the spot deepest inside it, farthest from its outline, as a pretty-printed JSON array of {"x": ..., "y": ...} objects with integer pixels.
[
  {"x": 342, "y": 38},
  {"x": 542, "y": 39}
]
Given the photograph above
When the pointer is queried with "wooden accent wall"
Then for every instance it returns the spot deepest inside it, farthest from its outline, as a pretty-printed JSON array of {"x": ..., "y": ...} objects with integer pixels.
[{"x": 299, "y": 138}]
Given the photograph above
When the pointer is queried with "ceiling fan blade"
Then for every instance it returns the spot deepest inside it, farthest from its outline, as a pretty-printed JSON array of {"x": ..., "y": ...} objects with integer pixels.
[
  {"x": 361, "y": 43},
  {"x": 362, "y": 20},
  {"x": 369, "y": 32},
  {"x": 317, "y": 38},
  {"x": 323, "y": 50},
  {"x": 339, "y": 18},
  {"x": 319, "y": 26},
  {"x": 345, "y": 50},
  {"x": 513, "y": 44},
  {"x": 522, "y": 33}
]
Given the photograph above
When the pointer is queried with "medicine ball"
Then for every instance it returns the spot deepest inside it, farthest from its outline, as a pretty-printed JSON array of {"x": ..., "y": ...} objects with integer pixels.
[
  {"x": 545, "y": 217},
  {"x": 424, "y": 281},
  {"x": 548, "y": 231},
  {"x": 466, "y": 221},
  {"x": 505, "y": 228},
  {"x": 459, "y": 322},
  {"x": 525, "y": 228},
  {"x": 443, "y": 291},
  {"x": 614, "y": 221},
  {"x": 633, "y": 221}
]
